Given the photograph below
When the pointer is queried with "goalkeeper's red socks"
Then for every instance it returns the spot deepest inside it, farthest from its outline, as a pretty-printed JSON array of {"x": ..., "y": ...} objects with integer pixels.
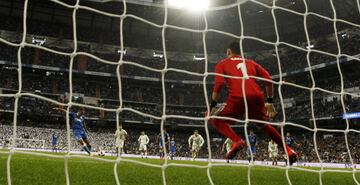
[
  {"x": 225, "y": 129},
  {"x": 276, "y": 137}
]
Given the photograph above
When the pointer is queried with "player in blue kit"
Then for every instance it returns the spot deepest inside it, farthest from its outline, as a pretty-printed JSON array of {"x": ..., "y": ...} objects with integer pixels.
[
  {"x": 172, "y": 148},
  {"x": 161, "y": 145},
  {"x": 253, "y": 142},
  {"x": 290, "y": 140},
  {"x": 54, "y": 140},
  {"x": 79, "y": 128}
]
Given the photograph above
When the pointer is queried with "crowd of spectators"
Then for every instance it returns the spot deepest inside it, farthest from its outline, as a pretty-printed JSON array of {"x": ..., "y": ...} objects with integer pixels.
[
  {"x": 290, "y": 61},
  {"x": 293, "y": 59},
  {"x": 148, "y": 97}
]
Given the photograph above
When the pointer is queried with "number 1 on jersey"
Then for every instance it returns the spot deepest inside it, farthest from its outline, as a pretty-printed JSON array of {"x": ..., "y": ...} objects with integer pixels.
[{"x": 241, "y": 66}]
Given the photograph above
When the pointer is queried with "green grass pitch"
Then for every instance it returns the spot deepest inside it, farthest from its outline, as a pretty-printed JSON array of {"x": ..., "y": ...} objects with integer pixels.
[{"x": 39, "y": 170}]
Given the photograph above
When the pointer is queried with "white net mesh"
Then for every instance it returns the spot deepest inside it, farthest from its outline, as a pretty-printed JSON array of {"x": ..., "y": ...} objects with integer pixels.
[{"x": 164, "y": 26}]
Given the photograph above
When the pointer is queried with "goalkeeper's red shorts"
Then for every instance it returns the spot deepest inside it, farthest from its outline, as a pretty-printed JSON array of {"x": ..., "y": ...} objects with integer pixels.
[{"x": 235, "y": 108}]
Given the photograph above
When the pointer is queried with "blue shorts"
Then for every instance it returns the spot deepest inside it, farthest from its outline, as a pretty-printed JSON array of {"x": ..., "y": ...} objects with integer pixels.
[
  {"x": 253, "y": 150},
  {"x": 172, "y": 150},
  {"x": 79, "y": 135},
  {"x": 160, "y": 145}
]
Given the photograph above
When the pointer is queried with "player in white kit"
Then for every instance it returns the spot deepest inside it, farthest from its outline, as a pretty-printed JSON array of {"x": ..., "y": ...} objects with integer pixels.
[
  {"x": 273, "y": 152},
  {"x": 195, "y": 141},
  {"x": 120, "y": 137},
  {"x": 143, "y": 141},
  {"x": 227, "y": 145}
]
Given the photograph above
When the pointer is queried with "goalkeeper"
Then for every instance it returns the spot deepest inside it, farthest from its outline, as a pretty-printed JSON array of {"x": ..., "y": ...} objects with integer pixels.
[{"x": 234, "y": 107}]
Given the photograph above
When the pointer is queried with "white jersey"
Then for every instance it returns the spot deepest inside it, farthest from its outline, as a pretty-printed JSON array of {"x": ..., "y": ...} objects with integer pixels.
[
  {"x": 228, "y": 144},
  {"x": 273, "y": 147},
  {"x": 273, "y": 150},
  {"x": 120, "y": 135},
  {"x": 196, "y": 140},
  {"x": 143, "y": 139}
]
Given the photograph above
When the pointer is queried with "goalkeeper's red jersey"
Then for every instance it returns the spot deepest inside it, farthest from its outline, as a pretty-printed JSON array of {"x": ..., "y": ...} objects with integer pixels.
[{"x": 234, "y": 66}]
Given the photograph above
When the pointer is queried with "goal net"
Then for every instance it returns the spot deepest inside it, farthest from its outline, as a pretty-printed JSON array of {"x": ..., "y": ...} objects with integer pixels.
[{"x": 209, "y": 40}]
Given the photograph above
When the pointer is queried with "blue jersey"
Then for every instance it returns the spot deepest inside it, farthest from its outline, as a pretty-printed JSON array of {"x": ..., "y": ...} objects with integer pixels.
[
  {"x": 289, "y": 140},
  {"x": 54, "y": 139},
  {"x": 77, "y": 122},
  {"x": 172, "y": 146},
  {"x": 252, "y": 140},
  {"x": 166, "y": 135}
]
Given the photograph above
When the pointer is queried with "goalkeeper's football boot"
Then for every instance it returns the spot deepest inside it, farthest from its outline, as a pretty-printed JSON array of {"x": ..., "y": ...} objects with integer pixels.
[{"x": 235, "y": 148}]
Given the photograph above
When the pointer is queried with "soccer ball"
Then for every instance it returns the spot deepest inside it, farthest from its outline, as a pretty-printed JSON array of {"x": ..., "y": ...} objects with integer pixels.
[{"x": 102, "y": 153}]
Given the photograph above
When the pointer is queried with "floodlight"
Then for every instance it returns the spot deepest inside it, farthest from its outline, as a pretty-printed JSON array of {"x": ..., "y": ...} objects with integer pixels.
[{"x": 194, "y": 5}]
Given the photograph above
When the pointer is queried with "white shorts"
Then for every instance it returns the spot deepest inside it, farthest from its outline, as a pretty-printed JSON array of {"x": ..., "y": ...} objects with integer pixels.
[
  {"x": 273, "y": 155},
  {"x": 195, "y": 148},
  {"x": 119, "y": 143},
  {"x": 142, "y": 147},
  {"x": 228, "y": 149}
]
